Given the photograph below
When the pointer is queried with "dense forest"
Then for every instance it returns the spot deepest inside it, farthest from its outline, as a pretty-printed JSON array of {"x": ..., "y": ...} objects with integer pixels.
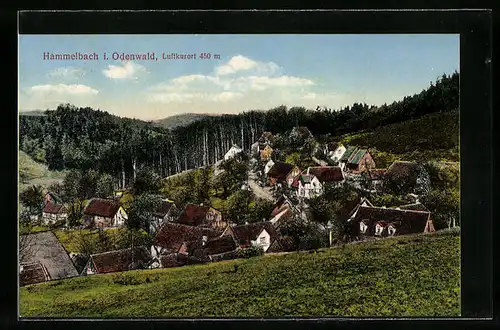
[{"x": 84, "y": 138}]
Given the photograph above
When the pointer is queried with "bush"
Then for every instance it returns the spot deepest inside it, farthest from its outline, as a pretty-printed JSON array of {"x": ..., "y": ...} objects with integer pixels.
[
  {"x": 253, "y": 251},
  {"x": 124, "y": 279}
]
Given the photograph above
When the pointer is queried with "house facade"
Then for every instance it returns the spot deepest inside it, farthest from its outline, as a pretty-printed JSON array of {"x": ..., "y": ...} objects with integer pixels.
[
  {"x": 309, "y": 186},
  {"x": 104, "y": 213},
  {"x": 202, "y": 216},
  {"x": 117, "y": 261},
  {"x": 279, "y": 172},
  {"x": 360, "y": 161},
  {"x": 53, "y": 213},
  {"x": 233, "y": 151},
  {"x": 266, "y": 153},
  {"x": 336, "y": 154},
  {"x": 257, "y": 234},
  {"x": 292, "y": 175},
  {"x": 268, "y": 166}
]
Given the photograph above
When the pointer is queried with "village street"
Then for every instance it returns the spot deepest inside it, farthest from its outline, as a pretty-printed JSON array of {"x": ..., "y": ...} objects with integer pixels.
[{"x": 260, "y": 192}]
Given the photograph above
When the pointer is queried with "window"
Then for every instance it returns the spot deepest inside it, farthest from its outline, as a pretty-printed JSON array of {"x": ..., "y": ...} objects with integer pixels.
[
  {"x": 378, "y": 229},
  {"x": 391, "y": 230},
  {"x": 362, "y": 227},
  {"x": 263, "y": 240}
]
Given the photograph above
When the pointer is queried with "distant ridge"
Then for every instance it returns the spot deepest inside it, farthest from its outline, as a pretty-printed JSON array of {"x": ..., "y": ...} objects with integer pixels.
[
  {"x": 181, "y": 120},
  {"x": 32, "y": 113}
]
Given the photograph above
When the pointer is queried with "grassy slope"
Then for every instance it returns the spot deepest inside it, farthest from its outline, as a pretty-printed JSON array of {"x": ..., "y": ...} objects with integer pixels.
[
  {"x": 432, "y": 137},
  {"x": 405, "y": 276},
  {"x": 36, "y": 173}
]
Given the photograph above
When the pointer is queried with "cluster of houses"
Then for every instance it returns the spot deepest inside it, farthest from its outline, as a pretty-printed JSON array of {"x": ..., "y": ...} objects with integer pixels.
[{"x": 199, "y": 233}]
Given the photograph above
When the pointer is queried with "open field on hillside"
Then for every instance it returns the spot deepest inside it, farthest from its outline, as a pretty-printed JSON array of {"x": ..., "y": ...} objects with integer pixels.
[
  {"x": 402, "y": 276},
  {"x": 33, "y": 173}
]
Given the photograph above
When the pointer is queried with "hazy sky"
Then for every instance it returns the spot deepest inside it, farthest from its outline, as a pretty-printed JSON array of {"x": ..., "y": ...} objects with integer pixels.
[{"x": 253, "y": 71}]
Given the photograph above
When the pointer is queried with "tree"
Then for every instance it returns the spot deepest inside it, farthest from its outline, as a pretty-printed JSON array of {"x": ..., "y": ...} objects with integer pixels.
[
  {"x": 236, "y": 206},
  {"x": 260, "y": 210},
  {"x": 444, "y": 206},
  {"x": 141, "y": 212},
  {"x": 104, "y": 186},
  {"x": 146, "y": 181},
  {"x": 32, "y": 198}
]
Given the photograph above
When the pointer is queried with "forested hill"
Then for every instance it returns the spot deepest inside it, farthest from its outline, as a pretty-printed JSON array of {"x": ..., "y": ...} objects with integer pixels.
[
  {"x": 71, "y": 137},
  {"x": 179, "y": 120}
]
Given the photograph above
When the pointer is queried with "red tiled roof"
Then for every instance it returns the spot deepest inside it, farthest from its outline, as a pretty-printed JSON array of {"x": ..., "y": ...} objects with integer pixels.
[
  {"x": 246, "y": 233},
  {"x": 54, "y": 208},
  {"x": 280, "y": 170},
  {"x": 120, "y": 260},
  {"x": 102, "y": 207},
  {"x": 193, "y": 215},
  {"x": 327, "y": 173},
  {"x": 219, "y": 245},
  {"x": 405, "y": 221},
  {"x": 33, "y": 273},
  {"x": 171, "y": 236}
]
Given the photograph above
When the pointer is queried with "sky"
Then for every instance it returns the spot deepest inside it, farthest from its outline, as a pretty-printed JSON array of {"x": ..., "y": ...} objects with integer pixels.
[{"x": 244, "y": 72}]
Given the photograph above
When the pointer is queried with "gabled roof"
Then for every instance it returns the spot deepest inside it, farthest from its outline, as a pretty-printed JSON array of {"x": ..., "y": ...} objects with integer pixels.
[
  {"x": 193, "y": 215},
  {"x": 54, "y": 208},
  {"x": 172, "y": 235},
  {"x": 46, "y": 249},
  {"x": 327, "y": 173},
  {"x": 357, "y": 156},
  {"x": 246, "y": 233},
  {"x": 282, "y": 204},
  {"x": 406, "y": 221},
  {"x": 282, "y": 244},
  {"x": 33, "y": 273},
  {"x": 350, "y": 150},
  {"x": 280, "y": 170},
  {"x": 163, "y": 208},
  {"x": 359, "y": 202},
  {"x": 54, "y": 196},
  {"x": 219, "y": 245},
  {"x": 120, "y": 260},
  {"x": 102, "y": 207}
]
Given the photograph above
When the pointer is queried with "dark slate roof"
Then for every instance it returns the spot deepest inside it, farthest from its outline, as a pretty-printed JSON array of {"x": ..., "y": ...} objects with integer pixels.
[
  {"x": 120, "y": 260},
  {"x": 219, "y": 245},
  {"x": 246, "y": 233},
  {"x": 415, "y": 207},
  {"x": 327, "y": 173},
  {"x": 54, "y": 208},
  {"x": 163, "y": 209},
  {"x": 172, "y": 235},
  {"x": 80, "y": 261},
  {"x": 280, "y": 170},
  {"x": 350, "y": 150},
  {"x": 405, "y": 221},
  {"x": 357, "y": 156},
  {"x": 46, "y": 249},
  {"x": 33, "y": 273},
  {"x": 282, "y": 244},
  {"x": 102, "y": 207},
  {"x": 193, "y": 215}
]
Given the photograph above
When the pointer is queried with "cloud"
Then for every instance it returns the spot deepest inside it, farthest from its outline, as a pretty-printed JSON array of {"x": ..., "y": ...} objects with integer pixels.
[
  {"x": 66, "y": 72},
  {"x": 227, "y": 96},
  {"x": 128, "y": 70},
  {"x": 63, "y": 89},
  {"x": 261, "y": 83},
  {"x": 194, "y": 96},
  {"x": 241, "y": 63}
]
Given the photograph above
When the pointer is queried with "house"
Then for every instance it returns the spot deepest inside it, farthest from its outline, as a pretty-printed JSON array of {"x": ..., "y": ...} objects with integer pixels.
[
  {"x": 253, "y": 234},
  {"x": 265, "y": 154},
  {"x": 331, "y": 174},
  {"x": 279, "y": 172},
  {"x": 359, "y": 161},
  {"x": 381, "y": 222},
  {"x": 350, "y": 150},
  {"x": 401, "y": 170},
  {"x": 33, "y": 273},
  {"x": 51, "y": 197},
  {"x": 45, "y": 248},
  {"x": 301, "y": 132},
  {"x": 307, "y": 186},
  {"x": 53, "y": 213},
  {"x": 335, "y": 151},
  {"x": 201, "y": 215},
  {"x": 255, "y": 148},
  {"x": 417, "y": 206},
  {"x": 351, "y": 214},
  {"x": 375, "y": 176},
  {"x": 117, "y": 261},
  {"x": 104, "y": 213},
  {"x": 282, "y": 244},
  {"x": 164, "y": 212},
  {"x": 268, "y": 166},
  {"x": 233, "y": 151},
  {"x": 292, "y": 175},
  {"x": 179, "y": 238},
  {"x": 284, "y": 203},
  {"x": 213, "y": 248}
]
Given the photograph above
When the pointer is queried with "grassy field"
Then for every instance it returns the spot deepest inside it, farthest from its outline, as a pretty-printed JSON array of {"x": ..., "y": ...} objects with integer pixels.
[
  {"x": 402, "y": 276},
  {"x": 33, "y": 173}
]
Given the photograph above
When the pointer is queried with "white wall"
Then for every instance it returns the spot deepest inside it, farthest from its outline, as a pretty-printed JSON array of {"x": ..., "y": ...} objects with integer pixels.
[
  {"x": 263, "y": 235},
  {"x": 338, "y": 153}
]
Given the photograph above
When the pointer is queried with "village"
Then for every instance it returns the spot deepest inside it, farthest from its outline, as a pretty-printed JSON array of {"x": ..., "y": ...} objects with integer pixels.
[{"x": 198, "y": 233}]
